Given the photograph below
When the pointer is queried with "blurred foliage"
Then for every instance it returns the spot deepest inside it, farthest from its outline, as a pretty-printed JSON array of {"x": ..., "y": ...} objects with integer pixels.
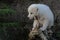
[
  {"x": 7, "y": 1},
  {"x": 6, "y": 11},
  {"x": 8, "y": 24},
  {"x": 12, "y": 31},
  {"x": 10, "y": 28},
  {"x": 4, "y": 5}
]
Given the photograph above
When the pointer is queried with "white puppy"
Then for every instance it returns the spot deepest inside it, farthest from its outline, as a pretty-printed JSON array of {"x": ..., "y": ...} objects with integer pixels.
[{"x": 46, "y": 17}]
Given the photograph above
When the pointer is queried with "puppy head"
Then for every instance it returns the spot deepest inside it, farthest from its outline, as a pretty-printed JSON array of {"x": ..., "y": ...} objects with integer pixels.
[{"x": 32, "y": 11}]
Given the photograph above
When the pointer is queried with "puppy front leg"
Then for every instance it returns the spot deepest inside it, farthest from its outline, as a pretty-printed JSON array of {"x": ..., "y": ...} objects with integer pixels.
[
  {"x": 45, "y": 25},
  {"x": 35, "y": 25}
]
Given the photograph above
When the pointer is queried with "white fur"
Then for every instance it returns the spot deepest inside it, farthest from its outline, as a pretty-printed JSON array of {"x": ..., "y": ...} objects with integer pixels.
[
  {"x": 35, "y": 24},
  {"x": 46, "y": 17}
]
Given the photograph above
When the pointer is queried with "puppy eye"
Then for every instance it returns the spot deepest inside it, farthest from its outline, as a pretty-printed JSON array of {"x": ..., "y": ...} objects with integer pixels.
[{"x": 31, "y": 13}]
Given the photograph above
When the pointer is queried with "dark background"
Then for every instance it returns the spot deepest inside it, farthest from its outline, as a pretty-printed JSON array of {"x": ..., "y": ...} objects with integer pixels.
[{"x": 14, "y": 24}]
